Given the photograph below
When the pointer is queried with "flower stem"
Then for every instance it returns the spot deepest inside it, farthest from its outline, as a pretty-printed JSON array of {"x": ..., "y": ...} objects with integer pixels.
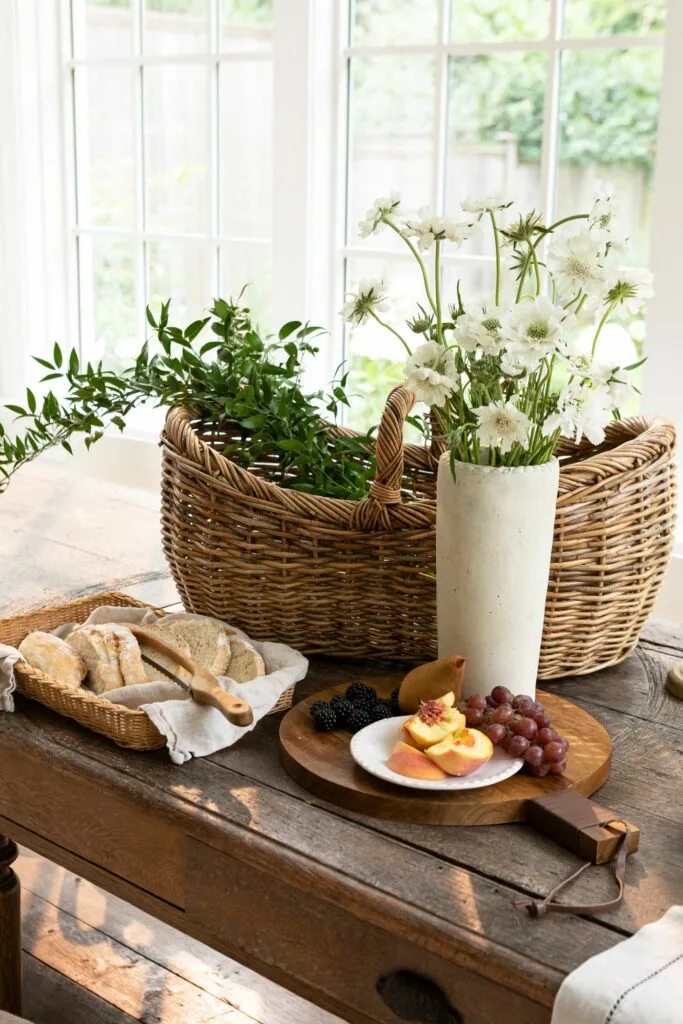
[
  {"x": 437, "y": 286},
  {"x": 413, "y": 249},
  {"x": 605, "y": 317},
  {"x": 537, "y": 273},
  {"x": 496, "y": 242},
  {"x": 564, "y": 220},
  {"x": 383, "y": 323}
]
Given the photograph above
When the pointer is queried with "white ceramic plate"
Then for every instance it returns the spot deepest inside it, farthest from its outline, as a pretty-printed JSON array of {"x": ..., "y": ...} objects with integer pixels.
[{"x": 371, "y": 749}]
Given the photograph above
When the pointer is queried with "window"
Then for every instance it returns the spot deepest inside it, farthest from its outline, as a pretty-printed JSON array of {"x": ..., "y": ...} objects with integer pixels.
[
  {"x": 172, "y": 110},
  {"x": 450, "y": 98}
]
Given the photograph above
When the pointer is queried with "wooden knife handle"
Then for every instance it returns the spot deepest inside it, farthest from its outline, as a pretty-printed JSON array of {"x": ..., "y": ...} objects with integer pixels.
[{"x": 235, "y": 709}]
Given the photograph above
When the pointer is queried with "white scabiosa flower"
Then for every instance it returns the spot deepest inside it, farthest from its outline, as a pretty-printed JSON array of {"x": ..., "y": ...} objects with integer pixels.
[
  {"x": 631, "y": 286},
  {"x": 385, "y": 206},
  {"x": 537, "y": 324},
  {"x": 430, "y": 372},
  {"x": 582, "y": 411},
  {"x": 603, "y": 219},
  {"x": 429, "y": 228},
  {"x": 576, "y": 262},
  {"x": 480, "y": 330},
  {"x": 486, "y": 204},
  {"x": 501, "y": 425},
  {"x": 370, "y": 296}
]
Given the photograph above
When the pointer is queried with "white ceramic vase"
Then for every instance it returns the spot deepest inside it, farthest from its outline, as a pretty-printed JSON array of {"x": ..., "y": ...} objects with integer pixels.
[{"x": 494, "y": 533}]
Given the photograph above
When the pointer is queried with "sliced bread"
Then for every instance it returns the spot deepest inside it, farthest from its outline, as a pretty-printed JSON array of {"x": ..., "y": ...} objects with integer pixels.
[
  {"x": 165, "y": 663},
  {"x": 245, "y": 662},
  {"x": 207, "y": 639}
]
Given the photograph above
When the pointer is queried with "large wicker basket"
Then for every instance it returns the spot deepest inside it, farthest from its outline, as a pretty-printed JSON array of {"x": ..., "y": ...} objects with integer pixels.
[
  {"x": 356, "y": 578},
  {"x": 126, "y": 726}
]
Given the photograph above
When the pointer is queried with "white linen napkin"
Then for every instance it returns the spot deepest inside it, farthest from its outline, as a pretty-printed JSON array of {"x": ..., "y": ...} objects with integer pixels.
[
  {"x": 190, "y": 729},
  {"x": 9, "y": 656},
  {"x": 638, "y": 981}
]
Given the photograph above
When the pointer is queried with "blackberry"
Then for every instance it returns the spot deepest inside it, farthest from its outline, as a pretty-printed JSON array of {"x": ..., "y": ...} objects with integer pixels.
[
  {"x": 323, "y": 716},
  {"x": 360, "y": 693},
  {"x": 394, "y": 701},
  {"x": 342, "y": 708},
  {"x": 358, "y": 719},
  {"x": 382, "y": 709}
]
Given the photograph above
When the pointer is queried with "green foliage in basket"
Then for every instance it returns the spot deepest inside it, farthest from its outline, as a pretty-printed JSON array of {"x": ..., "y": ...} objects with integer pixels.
[{"x": 235, "y": 376}]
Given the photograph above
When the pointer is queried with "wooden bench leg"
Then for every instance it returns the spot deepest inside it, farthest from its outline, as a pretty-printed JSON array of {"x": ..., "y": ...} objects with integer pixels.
[{"x": 10, "y": 930}]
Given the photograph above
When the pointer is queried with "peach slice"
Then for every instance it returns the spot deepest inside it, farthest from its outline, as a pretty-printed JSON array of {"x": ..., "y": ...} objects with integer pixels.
[
  {"x": 461, "y": 754},
  {"x": 407, "y": 760},
  {"x": 434, "y": 721}
]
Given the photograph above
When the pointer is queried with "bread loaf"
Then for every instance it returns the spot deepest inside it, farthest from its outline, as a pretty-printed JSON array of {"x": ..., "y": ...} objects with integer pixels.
[
  {"x": 245, "y": 662},
  {"x": 111, "y": 654},
  {"x": 54, "y": 657},
  {"x": 208, "y": 641}
]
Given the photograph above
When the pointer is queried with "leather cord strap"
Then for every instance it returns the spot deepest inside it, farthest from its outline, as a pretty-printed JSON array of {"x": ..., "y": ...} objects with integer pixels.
[{"x": 538, "y": 908}]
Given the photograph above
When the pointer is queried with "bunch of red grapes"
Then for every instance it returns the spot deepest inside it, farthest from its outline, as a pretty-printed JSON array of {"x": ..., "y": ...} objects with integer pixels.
[{"x": 521, "y": 727}]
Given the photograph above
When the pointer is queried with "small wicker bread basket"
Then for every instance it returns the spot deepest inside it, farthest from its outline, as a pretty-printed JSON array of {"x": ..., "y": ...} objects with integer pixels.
[
  {"x": 357, "y": 578},
  {"x": 128, "y": 727}
]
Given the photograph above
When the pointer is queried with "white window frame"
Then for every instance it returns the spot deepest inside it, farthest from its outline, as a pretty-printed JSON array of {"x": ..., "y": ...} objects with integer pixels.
[{"x": 554, "y": 44}]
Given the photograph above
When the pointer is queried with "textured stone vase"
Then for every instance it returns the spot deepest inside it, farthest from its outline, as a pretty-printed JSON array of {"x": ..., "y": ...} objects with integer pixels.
[{"x": 494, "y": 534}]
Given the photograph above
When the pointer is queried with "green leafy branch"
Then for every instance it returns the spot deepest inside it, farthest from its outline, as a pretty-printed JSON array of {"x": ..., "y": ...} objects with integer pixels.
[{"x": 236, "y": 376}]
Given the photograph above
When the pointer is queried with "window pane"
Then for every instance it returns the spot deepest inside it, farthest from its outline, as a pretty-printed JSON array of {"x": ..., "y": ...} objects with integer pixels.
[
  {"x": 102, "y": 28},
  {"x": 391, "y": 135},
  {"x": 176, "y": 26},
  {"x": 182, "y": 271},
  {"x": 244, "y": 263},
  {"x": 177, "y": 148},
  {"x": 499, "y": 20},
  {"x": 609, "y": 104},
  {"x": 246, "y": 148},
  {"x": 386, "y": 22},
  {"x": 105, "y": 116},
  {"x": 627, "y": 17},
  {"x": 107, "y": 299},
  {"x": 495, "y": 130},
  {"x": 246, "y": 24}
]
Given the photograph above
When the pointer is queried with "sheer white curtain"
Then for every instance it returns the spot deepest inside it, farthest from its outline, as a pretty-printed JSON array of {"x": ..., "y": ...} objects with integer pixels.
[{"x": 33, "y": 244}]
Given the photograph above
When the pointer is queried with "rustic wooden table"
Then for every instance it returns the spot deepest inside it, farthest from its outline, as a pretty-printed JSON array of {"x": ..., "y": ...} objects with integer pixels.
[{"x": 336, "y": 906}]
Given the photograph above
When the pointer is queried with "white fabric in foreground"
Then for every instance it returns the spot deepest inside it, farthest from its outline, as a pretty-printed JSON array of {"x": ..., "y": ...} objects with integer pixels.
[
  {"x": 190, "y": 729},
  {"x": 9, "y": 656},
  {"x": 639, "y": 981}
]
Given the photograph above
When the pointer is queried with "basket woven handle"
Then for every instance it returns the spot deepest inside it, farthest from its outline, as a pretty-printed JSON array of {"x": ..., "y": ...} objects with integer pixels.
[{"x": 372, "y": 513}]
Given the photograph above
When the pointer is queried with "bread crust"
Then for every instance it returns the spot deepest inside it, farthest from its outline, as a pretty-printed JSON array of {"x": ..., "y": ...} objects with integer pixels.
[
  {"x": 54, "y": 657},
  {"x": 245, "y": 663},
  {"x": 111, "y": 654}
]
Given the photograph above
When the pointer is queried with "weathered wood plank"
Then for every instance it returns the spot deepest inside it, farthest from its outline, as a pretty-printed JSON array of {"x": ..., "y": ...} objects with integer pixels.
[
  {"x": 634, "y": 688},
  {"x": 115, "y": 973},
  {"x": 52, "y": 998},
  {"x": 663, "y": 634},
  {"x": 191, "y": 960}
]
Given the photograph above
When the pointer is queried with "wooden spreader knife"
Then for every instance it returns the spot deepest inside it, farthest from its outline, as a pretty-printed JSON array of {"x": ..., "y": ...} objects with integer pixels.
[{"x": 202, "y": 686}]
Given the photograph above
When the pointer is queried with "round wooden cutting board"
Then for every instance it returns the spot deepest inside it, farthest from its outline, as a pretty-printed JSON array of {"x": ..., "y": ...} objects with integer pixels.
[{"x": 322, "y": 763}]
